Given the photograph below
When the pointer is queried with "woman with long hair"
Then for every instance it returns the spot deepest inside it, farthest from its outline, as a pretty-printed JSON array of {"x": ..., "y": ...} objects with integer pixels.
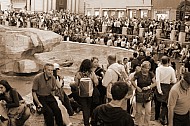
[
  {"x": 11, "y": 103},
  {"x": 100, "y": 74},
  {"x": 85, "y": 71}
]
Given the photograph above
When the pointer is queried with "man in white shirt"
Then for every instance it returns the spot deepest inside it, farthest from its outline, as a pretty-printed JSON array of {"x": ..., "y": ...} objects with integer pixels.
[
  {"x": 165, "y": 77},
  {"x": 112, "y": 74}
]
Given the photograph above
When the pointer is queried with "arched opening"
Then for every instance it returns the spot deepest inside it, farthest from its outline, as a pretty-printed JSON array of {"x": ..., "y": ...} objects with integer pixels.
[{"x": 183, "y": 11}]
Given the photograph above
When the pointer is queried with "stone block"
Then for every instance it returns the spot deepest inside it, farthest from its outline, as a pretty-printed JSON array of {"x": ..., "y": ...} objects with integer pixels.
[
  {"x": 48, "y": 39},
  {"x": 8, "y": 66},
  {"x": 124, "y": 30},
  {"x": 25, "y": 66},
  {"x": 158, "y": 33},
  {"x": 141, "y": 32},
  {"x": 182, "y": 37},
  {"x": 62, "y": 59},
  {"x": 1, "y": 39},
  {"x": 14, "y": 56},
  {"x": 16, "y": 42},
  {"x": 22, "y": 43},
  {"x": 104, "y": 28}
]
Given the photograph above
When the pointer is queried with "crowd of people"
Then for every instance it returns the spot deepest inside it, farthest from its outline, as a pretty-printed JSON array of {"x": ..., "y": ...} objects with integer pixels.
[
  {"x": 72, "y": 24},
  {"x": 104, "y": 30},
  {"x": 122, "y": 94}
]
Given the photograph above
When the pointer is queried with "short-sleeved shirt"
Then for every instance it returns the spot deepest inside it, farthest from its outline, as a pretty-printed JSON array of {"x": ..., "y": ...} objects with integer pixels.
[
  {"x": 143, "y": 81},
  {"x": 179, "y": 99},
  {"x": 43, "y": 86}
]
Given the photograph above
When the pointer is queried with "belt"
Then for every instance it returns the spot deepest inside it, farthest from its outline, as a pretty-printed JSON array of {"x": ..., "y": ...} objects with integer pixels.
[
  {"x": 164, "y": 83},
  {"x": 187, "y": 114}
]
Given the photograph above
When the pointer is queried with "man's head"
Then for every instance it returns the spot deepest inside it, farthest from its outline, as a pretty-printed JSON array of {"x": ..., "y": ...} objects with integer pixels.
[
  {"x": 119, "y": 90},
  {"x": 111, "y": 59},
  {"x": 186, "y": 80},
  {"x": 186, "y": 77},
  {"x": 48, "y": 69},
  {"x": 135, "y": 54},
  {"x": 125, "y": 60},
  {"x": 165, "y": 60}
]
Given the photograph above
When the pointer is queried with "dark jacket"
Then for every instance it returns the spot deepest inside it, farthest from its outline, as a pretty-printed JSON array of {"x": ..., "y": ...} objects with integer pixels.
[
  {"x": 106, "y": 115},
  {"x": 13, "y": 99}
]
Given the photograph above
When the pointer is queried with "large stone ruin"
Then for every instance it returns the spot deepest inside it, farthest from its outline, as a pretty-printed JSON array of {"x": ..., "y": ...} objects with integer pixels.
[{"x": 18, "y": 46}]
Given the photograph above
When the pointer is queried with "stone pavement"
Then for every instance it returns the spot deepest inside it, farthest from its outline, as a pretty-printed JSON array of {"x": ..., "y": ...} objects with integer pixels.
[{"x": 76, "y": 119}]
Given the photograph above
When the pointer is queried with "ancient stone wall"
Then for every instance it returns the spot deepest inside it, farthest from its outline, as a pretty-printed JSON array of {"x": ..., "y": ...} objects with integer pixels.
[{"x": 18, "y": 44}]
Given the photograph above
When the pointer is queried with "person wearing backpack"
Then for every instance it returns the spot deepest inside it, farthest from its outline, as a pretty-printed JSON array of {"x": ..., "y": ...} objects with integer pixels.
[
  {"x": 112, "y": 75},
  {"x": 86, "y": 79}
]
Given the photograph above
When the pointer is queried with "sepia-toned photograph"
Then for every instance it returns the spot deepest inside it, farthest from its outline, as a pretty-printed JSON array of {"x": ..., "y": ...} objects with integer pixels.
[{"x": 94, "y": 62}]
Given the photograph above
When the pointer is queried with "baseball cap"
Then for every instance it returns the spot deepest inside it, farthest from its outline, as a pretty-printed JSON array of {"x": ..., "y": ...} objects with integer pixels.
[{"x": 56, "y": 66}]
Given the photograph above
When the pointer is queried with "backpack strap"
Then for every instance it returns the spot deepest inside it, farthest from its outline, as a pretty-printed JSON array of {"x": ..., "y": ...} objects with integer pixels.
[{"x": 119, "y": 74}]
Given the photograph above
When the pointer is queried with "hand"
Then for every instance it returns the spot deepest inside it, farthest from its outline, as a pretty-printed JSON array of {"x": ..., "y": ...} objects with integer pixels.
[
  {"x": 139, "y": 89},
  {"x": 39, "y": 108},
  {"x": 3, "y": 102},
  {"x": 40, "y": 105},
  {"x": 145, "y": 88},
  {"x": 161, "y": 93},
  {"x": 61, "y": 77}
]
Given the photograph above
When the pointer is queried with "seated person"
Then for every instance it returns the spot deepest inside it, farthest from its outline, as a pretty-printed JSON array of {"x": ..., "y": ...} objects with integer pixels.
[
  {"x": 59, "y": 89},
  {"x": 12, "y": 106},
  {"x": 74, "y": 98},
  {"x": 61, "y": 97},
  {"x": 112, "y": 114},
  {"x": 44, "y": 85}
]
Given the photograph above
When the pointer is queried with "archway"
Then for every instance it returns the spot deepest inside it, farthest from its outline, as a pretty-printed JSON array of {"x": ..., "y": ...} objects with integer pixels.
[{"x": 183, "y": 11}]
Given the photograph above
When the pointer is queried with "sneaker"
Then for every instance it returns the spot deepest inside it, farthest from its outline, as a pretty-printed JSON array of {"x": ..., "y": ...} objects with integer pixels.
[{"x": 163, "y": 122}]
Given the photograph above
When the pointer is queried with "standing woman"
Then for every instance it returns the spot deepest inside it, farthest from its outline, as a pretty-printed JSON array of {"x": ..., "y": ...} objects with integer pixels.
[
  {"x": 145, "y": 82},
  {"x": 11, "y": 100},
  {"x": 100, "y": 74},
  {"x": 86, "y": 102}
]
